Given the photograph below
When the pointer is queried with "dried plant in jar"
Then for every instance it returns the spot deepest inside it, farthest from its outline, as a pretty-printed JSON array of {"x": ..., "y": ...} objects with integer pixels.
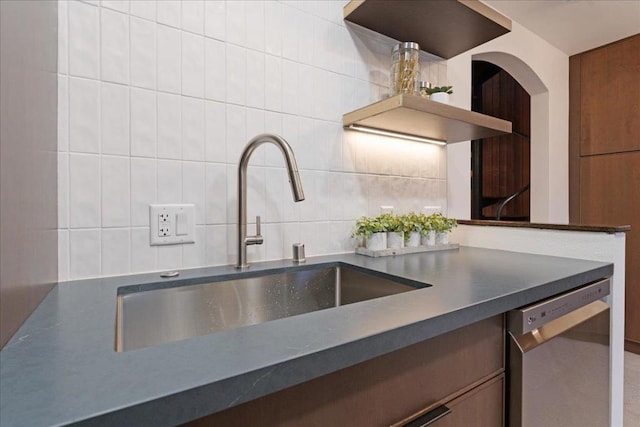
[{"x": 405, "y": 68}]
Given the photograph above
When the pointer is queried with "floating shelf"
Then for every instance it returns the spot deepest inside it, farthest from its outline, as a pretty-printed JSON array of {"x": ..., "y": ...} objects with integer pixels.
[
  {"x": 442, "y": 27},
  {"x": 417, "y": 116}
]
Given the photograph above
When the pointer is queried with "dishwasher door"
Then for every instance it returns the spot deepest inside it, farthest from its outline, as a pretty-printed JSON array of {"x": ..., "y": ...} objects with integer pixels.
[{"x": 559, "y": 369}]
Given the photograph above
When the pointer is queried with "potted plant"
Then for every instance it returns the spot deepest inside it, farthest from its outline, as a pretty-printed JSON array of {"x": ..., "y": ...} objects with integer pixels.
[
  {"x": 412, "y": 227},
  {"x": 395, "y": 230},
  {"x": 442, "y": 225},
  {"x": 373, "y": 231},
  {"x": 427, "y": 232},
  {"x": 438, "y": 93}
]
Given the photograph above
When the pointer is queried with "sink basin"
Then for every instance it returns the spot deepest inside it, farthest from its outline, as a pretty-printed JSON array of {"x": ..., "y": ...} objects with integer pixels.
[{"x": 164, "y": 315}]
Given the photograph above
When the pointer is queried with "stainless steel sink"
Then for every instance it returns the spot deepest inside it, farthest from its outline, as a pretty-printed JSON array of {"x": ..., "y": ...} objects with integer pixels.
[{"x": 164, "y": 315}]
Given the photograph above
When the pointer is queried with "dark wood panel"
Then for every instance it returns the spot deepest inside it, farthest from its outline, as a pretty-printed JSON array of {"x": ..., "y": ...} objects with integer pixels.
[
  {"x": 610, "y": 192},
  {"x": 481, "y": 407},
  {"x": 610, "y": 98},
  {"x": 506, "y": 158},
  {"x": 545, "y": 226},
  {"x": 632, "y": 346},
  {"x": 574, "y": 138},
  {"x": 383, "y": 390}
]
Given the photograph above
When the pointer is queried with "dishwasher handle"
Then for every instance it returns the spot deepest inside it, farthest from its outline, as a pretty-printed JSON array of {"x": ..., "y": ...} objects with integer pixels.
[
  {"x": 430, "y": 417},
  {"x": 531, "y": 340},
  {"x": 529, "y": 318}
]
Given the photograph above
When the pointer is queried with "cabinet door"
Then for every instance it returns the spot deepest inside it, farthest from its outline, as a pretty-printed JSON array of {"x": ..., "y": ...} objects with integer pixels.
[
  {"x": 610, "y": 91},
  {"x": 382, "y": 390},
  {"x": 610, "y": 194},
  {"x": 481, "y": 407}
]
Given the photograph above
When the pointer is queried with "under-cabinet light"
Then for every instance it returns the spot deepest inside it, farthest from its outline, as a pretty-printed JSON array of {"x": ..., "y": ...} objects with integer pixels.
[{"x": 395, "y": 134}]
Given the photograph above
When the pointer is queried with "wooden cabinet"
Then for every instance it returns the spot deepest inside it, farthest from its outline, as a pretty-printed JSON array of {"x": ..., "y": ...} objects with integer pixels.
[
  {"x": 480, "y": 407},
  {"x": 610, "y": 98},
  {"x": 610, "y": 194},
  {"x": 604, "y": 154},
  {"x": 390, "y": 388}
]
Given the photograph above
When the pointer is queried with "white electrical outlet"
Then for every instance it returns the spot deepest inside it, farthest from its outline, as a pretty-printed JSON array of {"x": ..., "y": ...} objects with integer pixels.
[
  {"x": 386, "y": 209},
  {"x": 172, "y": 224}
]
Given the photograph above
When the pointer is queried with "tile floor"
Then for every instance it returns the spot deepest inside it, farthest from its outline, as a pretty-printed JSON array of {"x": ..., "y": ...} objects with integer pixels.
[{"x": 631, "y": 389}]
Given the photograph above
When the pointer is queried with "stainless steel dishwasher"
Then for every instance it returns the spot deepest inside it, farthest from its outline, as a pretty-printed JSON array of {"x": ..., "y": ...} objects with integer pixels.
[{"x": 559, "y": 360}]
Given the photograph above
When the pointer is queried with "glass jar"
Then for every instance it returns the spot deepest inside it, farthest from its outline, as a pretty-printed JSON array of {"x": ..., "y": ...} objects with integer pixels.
[{"x": 405, "y": 69}]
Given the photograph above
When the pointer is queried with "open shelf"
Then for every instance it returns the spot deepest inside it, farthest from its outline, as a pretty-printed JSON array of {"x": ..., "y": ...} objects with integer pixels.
[
  {"x": 442, "y": 27},
  {"x": 418, "y": 116}
]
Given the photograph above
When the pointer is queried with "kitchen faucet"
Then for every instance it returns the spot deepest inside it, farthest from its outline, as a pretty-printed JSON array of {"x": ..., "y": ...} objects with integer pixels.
[{"x": 294, "y": 180}]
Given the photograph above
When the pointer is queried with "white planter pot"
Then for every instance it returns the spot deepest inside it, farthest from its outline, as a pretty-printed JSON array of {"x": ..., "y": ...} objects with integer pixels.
[
  {"x": 377, "y": 241},
  {"x": 440, "y": 97},
  {"x": 442, "y": 238},
  {"x": 395, "y": 240},
  {"x": 429, "y": 239},
  {"x": 414, "y": 240}
]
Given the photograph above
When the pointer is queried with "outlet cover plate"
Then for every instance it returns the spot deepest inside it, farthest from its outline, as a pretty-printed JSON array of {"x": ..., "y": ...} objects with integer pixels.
[{"x": 164, "y": 227}]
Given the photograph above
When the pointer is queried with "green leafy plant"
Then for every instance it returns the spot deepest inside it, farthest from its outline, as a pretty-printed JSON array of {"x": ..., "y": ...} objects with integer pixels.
[
  {"x": 412, "y": 222},
  {"x": 393, "y": 223},
  {"x": 432, "y": 90},
  {"x": 441, "y": 223},
  {"x": 366, "y": 226},
  {"x": 407, "y": 223}
]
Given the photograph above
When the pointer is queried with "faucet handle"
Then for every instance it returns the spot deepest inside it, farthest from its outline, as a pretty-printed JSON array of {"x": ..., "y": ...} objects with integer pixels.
[{"x": 257, "y": 239}]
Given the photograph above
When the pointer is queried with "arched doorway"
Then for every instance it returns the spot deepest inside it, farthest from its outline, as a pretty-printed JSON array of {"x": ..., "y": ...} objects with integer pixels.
[{"x": 500, "y": 165}]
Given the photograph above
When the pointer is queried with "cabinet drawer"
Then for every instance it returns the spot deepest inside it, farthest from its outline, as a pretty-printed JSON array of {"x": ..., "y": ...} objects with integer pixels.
[
  {"x": 483, "y": 406},
  {"x": 383, "y": 390}
]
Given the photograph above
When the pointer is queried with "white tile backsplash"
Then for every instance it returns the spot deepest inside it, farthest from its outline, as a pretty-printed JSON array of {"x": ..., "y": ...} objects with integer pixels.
[
  {"x": 273, "y": 27},
  {"x": 193, "y": 128},
  {"x": 169, "y": 56},
  {"x": 143, "y": 190},
  {"x": 216, "y": 69},
  {"x": 193, "y": 60},
  {"x": 144, "y": 9},
  {"x": 215, "y": 132},
  {"x": 115, "y": 192},
  {"x": 235, "y": 22},
  {"x": 84, "y": 115},
  {"x": 169, "y": 181},
  {"x": 169, "y": 13},
  {"x": 116, "y": 251},
  {"x": 193, "y": 16},
  {"x": 115, "y": 46},
  {"x": 63, "y": 112},
  {"x": 143, "y": 53},
  {"x": 255, "y": 25},
  {"x": 143, "y": 122},
  {"x": 236, "y": 74},
  {"x": 193, "y": 187},
  {"x": 144, "y": 257},
  {"x": 119, "y": 5},
  {"x": 84, "y": 253},
  {"x": 158, "y": 98},
  {"x": 84, "y": 190},
  {"x": 114, "y": 124},
  {"x": 215, "y": 19},
  {"x": 169, "y": 126},
  {"x": 84, "y": 40}
]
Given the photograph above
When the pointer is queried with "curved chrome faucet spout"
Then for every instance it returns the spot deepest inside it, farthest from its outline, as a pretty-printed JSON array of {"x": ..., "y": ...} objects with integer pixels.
[{"x": 294, "y": 180}]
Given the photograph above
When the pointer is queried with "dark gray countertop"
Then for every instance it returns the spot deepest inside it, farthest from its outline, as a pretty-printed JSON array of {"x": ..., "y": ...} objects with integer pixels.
[{"x": 61, "y": 366}]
